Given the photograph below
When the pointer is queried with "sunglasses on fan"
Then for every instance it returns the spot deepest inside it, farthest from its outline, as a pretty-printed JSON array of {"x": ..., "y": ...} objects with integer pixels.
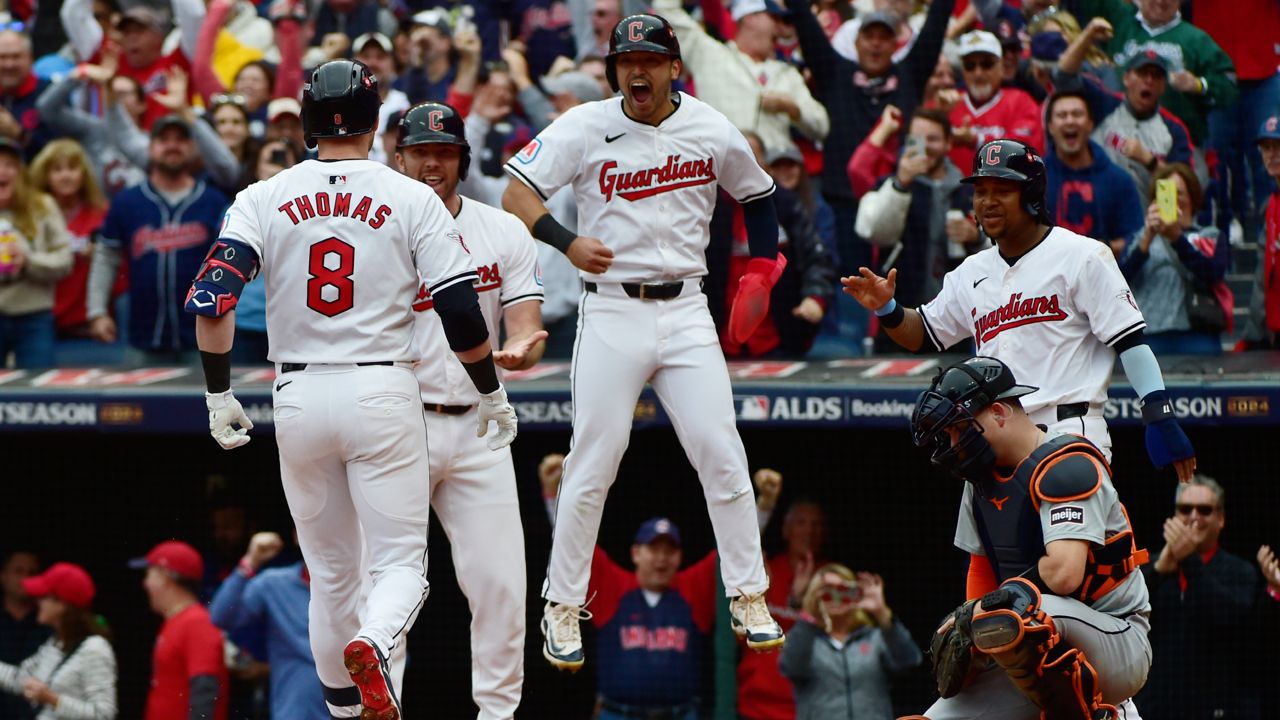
[{"x": 840, "y": 594}]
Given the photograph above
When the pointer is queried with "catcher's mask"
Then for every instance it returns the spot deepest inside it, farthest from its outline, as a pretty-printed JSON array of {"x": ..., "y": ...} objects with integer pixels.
[{"x": 955, "y": 397}]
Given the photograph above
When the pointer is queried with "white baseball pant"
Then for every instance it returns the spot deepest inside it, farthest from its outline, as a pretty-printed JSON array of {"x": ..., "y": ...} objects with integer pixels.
[
  {"x": 353, "y": 451},
  {"x": 1117, "y": 648},
  {"x": 623, "y": 343},
  {"x": 1093, "y": 426},
  {"x": 473, "y": 491}
]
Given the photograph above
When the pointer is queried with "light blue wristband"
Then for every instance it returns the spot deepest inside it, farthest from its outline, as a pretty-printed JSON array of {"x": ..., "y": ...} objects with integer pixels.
[{"x": 887, "y": 308}]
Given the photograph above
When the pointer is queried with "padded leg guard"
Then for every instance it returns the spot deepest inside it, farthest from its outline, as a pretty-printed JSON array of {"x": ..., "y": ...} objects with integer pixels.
[{"x": 1022, "y": 639}]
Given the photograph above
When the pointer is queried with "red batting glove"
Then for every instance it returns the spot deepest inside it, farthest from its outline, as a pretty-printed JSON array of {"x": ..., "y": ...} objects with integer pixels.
[{"x": 751, "y": 304}]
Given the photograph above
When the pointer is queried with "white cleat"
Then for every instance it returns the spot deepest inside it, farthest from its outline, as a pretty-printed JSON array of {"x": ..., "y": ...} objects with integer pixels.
[
  {"x": 750, "y": 618},
  {"x": 562, "y": 643}
]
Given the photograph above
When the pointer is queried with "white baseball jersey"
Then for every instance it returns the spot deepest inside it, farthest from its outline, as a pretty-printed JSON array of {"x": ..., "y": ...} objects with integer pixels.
[
  {"x": 1052, "y": 316},
  {"x": 506, "y": 260},
  {"x": 647, "y": 192},
  {"x": 342, "y": 246}
]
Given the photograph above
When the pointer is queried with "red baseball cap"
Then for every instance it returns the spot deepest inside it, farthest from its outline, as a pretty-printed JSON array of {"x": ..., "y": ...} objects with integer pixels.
[
  {"x": 66, "y": 581},
  {"x": 175, "y": 556}
]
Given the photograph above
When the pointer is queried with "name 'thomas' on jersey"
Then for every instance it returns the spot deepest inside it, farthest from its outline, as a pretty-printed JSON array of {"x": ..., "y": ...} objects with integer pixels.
[
  {"x": 646, "y": 191},
  {"x": 1052, "y": 316},
  {"x": 506, "y": 260},
  {"x": 342, "y": 245}
]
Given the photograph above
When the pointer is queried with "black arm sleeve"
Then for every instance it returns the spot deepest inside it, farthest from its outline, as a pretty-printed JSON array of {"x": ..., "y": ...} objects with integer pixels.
[
  {"x": 761, "y": 219},
  {"x": 204, "y": 697},
  {"x": 459, "y": 310}
]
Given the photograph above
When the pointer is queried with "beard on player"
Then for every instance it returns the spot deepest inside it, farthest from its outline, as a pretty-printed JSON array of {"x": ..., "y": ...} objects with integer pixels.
[
  {"x": 645, "y": 80},
  {"x": 436, "y": 165}
]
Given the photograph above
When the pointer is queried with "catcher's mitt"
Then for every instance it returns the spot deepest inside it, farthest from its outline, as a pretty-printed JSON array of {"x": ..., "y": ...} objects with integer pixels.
[{"x": 952, "y": 652}]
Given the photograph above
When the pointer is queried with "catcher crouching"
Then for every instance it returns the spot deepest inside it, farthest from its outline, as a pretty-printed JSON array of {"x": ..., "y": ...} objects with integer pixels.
[{"x": 1057, "y": 618}]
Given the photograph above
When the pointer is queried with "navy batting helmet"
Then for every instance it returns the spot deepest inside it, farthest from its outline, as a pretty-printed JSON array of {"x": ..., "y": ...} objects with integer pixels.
[
  {"x": 433, "y": 122},
  {"x": 639, "y": 33},
  {"x": 1017, "y": 161},
  {"x": 957, "y": 395},
  {"x": 341, "y": 99}
]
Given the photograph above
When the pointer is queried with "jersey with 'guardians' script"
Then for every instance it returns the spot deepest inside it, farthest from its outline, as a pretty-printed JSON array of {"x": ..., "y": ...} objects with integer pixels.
[
  {"x": 647, "y": 192},
  {"x": 1052, "y": 316}
]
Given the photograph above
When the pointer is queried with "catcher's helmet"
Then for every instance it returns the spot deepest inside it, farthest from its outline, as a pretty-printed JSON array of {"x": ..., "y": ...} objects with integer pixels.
[
  {"x": 433, "y": 122},
  {"x": 340, "y": 100},
  {"x": 1017, "y": 161},
  {"x": 639, "y": 33},
  {"x": 957, "y": 395}
]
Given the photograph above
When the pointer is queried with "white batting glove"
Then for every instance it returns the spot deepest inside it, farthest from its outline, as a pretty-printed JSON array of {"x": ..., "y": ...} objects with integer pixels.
[
  {"x": 225, "y": 411},
  {"x": 497, "y": 408}
]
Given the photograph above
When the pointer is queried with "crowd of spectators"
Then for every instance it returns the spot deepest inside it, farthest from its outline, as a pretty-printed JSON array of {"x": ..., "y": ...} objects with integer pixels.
[{"x": 129, "y": 124}]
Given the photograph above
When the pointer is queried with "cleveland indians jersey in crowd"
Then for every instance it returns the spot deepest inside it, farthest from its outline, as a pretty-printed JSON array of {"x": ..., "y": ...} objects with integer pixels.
[
  {"x": 1054, "y": 314},
  {"x": 331, "y": 239},
  {"x": 1010, "y": 113},
  {"x": 506, "y": 261},
  {"x": 646, "y": 192}
]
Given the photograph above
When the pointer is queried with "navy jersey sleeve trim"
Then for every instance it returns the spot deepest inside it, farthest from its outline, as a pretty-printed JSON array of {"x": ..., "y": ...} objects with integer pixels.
[
  {"x": 756, "y": 196},
  {"x": 468, "y": 275},
  {"x": 928, "y": 331},
  {"x": 1120, "y": 335},
  {"x": 525, "y": 179},
  {"x": 522, "y": 298}
]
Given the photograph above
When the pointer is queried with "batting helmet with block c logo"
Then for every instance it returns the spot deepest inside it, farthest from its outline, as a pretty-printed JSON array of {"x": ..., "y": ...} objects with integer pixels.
[
  {"x": 639, "y": 33},
  {"x": 1017, "y": 161},
  {"x": 433, "y": 122}
]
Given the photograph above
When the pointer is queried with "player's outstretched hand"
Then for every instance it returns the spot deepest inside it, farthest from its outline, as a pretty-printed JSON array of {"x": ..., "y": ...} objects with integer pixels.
[
  {"x": 514, "y": 354},
  {"x": 869, "y": 289},
  {"x": 225, "y": 413},
  {"x": 496, "y": 408},
  {"x": 589, "y": 254}
]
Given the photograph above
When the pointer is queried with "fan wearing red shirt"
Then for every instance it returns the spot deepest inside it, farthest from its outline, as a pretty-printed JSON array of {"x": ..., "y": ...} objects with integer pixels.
[
  {"x": 142, "y": 30},
  {"x": 188, "y": 673},
  {"x": 988, "y": 111},
  {"x": 763, "y": 692}
]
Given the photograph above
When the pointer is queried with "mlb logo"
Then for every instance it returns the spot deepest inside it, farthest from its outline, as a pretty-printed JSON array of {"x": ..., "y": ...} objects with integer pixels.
[
  {"x": 537, "y": 273},
  {"x": 753, "y": 407},
  {"x": 529, "y": 152},
  {"x": 337, "y": 179}
]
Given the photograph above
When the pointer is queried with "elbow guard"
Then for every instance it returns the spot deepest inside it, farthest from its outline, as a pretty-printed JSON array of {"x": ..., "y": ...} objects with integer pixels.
[
  {"x": 217, "y": 287},
  {"x": 459, "y": 309}
]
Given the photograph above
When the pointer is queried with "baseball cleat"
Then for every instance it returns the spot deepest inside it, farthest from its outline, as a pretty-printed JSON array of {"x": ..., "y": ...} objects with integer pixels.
[
  {"x": 750, "y": 618},
  {"x": 368, "y": 669},
  {"x": 562, "y": 644}
]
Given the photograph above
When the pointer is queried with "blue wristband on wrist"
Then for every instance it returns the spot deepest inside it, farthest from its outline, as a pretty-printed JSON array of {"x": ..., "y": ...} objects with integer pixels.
[{"x": 887, "y": 308}]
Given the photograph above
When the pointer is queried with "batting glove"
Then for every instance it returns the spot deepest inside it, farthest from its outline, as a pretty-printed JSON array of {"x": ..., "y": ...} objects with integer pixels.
[
  {"x": 224, "y": 412},
  {"x": 495, "y": 407}
]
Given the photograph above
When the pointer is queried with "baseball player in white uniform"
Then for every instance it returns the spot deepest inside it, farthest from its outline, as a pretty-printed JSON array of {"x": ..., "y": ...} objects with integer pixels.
[
  {"x": 473, "y": 489},
  {"x": 1047, "y": 302},
  {"x": 343, "y": 244},
  {"x": 644, "y": 168}
]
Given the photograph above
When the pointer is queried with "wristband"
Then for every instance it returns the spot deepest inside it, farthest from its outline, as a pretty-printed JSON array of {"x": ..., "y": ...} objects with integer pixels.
[
  {"x": 217, "y": 371},
  {"x": 1156, "y": 406},
  {"x": 887, "y": 308},
  {"x": 894, "y": 318},
  {"x": 483, "y": 373},
  {"x": 551, "y": 232},
  {"x": 246, "y": 567}
]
